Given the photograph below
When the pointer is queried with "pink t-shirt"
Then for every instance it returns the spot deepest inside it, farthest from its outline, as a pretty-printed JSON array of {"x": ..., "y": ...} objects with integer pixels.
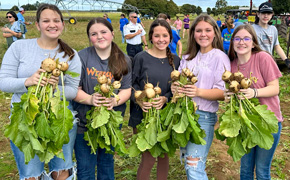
[
  {"x": 178, "y": 24},
  {"x": 266, "y": 70}
]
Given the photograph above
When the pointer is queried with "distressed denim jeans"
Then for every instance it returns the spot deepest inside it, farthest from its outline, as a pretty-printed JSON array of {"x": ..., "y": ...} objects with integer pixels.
[
  {"x": 195, "y": 170},
  {"x": 260, "y": 159}
]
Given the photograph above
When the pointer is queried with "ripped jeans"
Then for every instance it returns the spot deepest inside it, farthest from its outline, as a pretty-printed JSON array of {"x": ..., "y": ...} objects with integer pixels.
[
  {"x": 35, "y": 168},
  {"x": 195, "y": 170}
]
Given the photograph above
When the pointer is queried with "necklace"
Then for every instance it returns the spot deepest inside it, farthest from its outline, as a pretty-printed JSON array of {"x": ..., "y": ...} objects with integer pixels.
[{"x": 161, "y": 60}]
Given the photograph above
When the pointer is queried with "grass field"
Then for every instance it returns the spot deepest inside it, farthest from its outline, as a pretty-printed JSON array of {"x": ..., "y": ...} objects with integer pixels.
[{"x": 220, "y": 166}]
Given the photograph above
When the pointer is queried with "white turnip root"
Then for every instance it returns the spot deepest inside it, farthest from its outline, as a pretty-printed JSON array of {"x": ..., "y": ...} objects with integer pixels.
[
  {"x": 246, "y": 83},
  {"x": 102, "y": 79},
  {"x": 48, "y": 65},
  {"x": 238, "y": 76},
  {"x": 227, "y": 76},
  {"x": 63, "y": 66},
  {"x": 105, "y": 88},
  {"x": 175, "y": 75},
  {"x": 56, "y": 72},
  {"x": 234, "y": 86},
  {"x": 116, "y": 84},
  {"x": 150, "y": 93}
]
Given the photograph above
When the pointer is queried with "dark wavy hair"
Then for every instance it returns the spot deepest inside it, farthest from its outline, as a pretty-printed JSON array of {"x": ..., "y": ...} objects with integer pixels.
[
  {"x": 13, "y": 14},
  {"x": 63, "y": 47},
  {"x": 117, "y": 62}
]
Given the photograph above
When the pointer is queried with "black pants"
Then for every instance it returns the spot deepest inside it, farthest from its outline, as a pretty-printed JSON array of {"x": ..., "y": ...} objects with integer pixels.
[{"x": 132, "y": 50}]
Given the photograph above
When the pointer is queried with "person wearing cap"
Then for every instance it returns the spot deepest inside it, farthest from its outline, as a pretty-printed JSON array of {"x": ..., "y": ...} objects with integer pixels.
[
  {"x": 268, "y": 34},
  {"x": 21, "y": 19},
  {"x": 134, "y": 34},
  {"x": 13, "y": 30},
  {"x": 123, "y": 22}
]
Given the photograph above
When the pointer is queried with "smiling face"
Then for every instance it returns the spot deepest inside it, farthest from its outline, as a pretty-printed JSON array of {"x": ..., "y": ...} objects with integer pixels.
[
  {"x": 101, "y": 36},
  {"x": 243, "y": 43},
  {"x": 204, "y": 36},
  {"x": 50, "y": 24},
  {"x": 264, "y": 18},
  {"x": 160, "y": 38}
]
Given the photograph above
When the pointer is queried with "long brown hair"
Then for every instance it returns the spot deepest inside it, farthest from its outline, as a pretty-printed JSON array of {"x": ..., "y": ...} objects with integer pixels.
[
  {"x": 63, "y": 47},
  {"x": 117, "y": 62},
  {"x": 250, "y": 29},
  {"x": 163, "y": 23},
  {"x": 230, "y": 24},
  {"x": 192, "y": 46}
]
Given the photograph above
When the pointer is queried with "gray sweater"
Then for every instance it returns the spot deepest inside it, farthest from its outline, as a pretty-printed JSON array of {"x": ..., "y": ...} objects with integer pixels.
[{"x": 23, "y": 58}]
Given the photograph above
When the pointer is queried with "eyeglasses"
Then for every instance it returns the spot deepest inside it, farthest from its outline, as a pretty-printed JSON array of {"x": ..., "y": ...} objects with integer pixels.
[
  {"x": 134, "y": 16},
  {"x": 9, "y": 16},
  {"x": 245, "y": 39},
  {"x": 104, "y": 16}
]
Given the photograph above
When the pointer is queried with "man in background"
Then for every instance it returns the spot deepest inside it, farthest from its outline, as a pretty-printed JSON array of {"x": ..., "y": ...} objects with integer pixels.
[
  {"x": 22, "y": 20},
  {"x": 134, "y": 34}
]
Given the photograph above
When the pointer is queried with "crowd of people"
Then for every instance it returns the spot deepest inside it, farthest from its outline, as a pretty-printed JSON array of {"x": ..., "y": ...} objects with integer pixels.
[{"x": 209, "y": 52}]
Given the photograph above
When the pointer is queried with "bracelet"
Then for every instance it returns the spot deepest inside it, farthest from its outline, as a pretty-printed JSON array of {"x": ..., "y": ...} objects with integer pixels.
[{"x": 255, "y": 92}]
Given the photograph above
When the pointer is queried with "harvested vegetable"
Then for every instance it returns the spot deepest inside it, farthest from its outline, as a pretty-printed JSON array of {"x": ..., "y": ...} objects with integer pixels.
[
  {"x": 246, "y": 124},
  {"x": 149, "y": 130},
  {"x": 40, "y": 122},
  {"x": 103, "y": 125}
]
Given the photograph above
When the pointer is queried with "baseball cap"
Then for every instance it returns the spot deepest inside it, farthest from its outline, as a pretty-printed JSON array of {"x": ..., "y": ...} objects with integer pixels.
[
  {"x": 21, "y": 9},
  {"x": 266, "y": 7}
]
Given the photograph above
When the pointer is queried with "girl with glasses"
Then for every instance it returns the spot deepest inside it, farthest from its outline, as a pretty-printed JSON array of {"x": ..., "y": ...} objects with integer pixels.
[
  {"x": 13, "y": 30},
  {"x": 246, "y": 56}
]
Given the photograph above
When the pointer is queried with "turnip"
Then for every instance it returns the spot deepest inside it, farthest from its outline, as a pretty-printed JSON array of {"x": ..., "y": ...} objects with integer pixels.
[
  {"x": 48, "y": 65},
  {"x": 175, "y": 75},
  {"x": 234, "y": 86},
  {"x": 186, "y": 72},
  {"x": 227, "y": 76},
  {"x": 246, "y": 83},
  {"x": 150, "y": 93},
  {"x": 116, "y": 84},
  {"x": 238, "y": 76},
  {"x": 56, "y": 72},
  {"x": 193, "y": 80},
  {"x": 109, "y": 82},
  {"x": 137, "y": 94},
  {"x": 105, "y": 88},
  {"x": 102, "y": 79},
  {"x": 63, "y": 66},
  {"x": 148, "y": 85}
]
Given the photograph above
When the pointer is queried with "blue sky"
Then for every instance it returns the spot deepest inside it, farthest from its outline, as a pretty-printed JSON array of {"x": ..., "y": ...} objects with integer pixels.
[{"x": 6, "y": 4}]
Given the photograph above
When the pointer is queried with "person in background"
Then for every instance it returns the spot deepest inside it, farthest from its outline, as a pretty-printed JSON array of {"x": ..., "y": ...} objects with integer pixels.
[
  {"x": 103, "y": 57},
  {"x": 205, "y": 58},
  {"x": 13, "y": 30},
  {"x": 123, "y": 22},
  {"x": 134, "y": 34},
  {"x": 186, "y": 25},
  {"x": 175, "y": 37},
  {"x": 20, "y": 70},
  {"x": 227, "y": 35},
  {"x": 219, "y": 22},
  {"x": 268, "y": 34},
  {"x": 178, "y": 24},
  {"x": 139, "y": 21},
  {"x": 236, "y": 18},
  {"x": 155, "y": 66},
  {"x": 246, "y": 56},
  {"x": 107, "y": 17},
  {"x": 21, "y": 19}
]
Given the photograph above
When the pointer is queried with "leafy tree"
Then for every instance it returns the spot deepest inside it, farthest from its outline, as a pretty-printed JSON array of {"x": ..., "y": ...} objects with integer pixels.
[
  {"x": 208, "y": 10},
  {"x": 198, "y": 10},
  {"x": 220, "y": 6},
  {"x": 171, "y": 8},
  {"x": 188, "y": 9},
  {"x": 214, "y": 11},
  {"x": 281, "y": 6},
  {"x": 14, "y": 8}
]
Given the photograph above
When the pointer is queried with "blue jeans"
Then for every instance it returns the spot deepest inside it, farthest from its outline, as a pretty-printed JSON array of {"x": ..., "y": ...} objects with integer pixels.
[
  {"x": 123, "y": 37},
  {"x": 35, "y": 167},
  {"x": 261, "y": 158},
  {"x": 207, "y": 121},
  {"x": 178, "y": 32},
  {"x": 86, "y": 161}
]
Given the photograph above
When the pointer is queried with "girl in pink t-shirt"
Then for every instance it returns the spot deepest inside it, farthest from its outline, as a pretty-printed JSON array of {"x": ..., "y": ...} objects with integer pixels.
[
  {"x": 246, "y": 55},
  {"x": 178, "y": 23}
]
